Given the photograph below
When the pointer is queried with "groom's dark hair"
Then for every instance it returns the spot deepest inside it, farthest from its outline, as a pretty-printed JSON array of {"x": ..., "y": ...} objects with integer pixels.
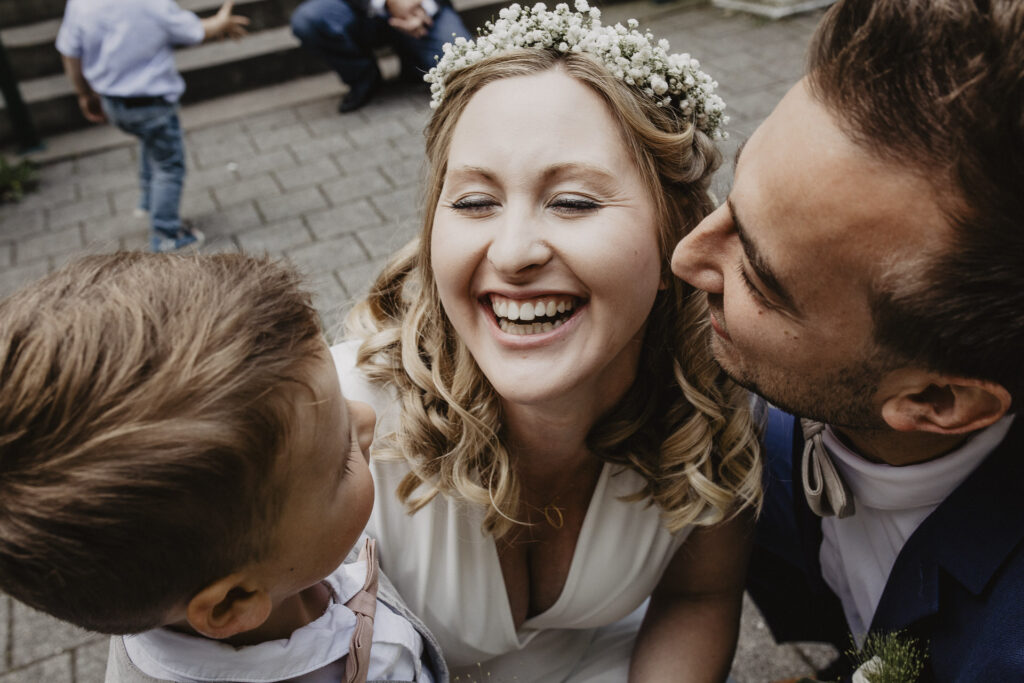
[{"x": 937, "y": 87}]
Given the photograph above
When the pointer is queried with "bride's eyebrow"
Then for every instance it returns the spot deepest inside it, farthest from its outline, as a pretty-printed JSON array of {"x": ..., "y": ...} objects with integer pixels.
[
  {"x": 599, "y": 176},
  {"x": 468, "y": 173}
]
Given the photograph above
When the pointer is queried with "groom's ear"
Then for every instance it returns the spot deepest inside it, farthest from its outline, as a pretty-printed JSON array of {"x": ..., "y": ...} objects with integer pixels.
[{"x": 924, "y": 401}]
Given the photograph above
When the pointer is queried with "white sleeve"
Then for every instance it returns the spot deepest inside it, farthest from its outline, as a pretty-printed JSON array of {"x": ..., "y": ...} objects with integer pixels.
[{"x": 182, "y": 27}]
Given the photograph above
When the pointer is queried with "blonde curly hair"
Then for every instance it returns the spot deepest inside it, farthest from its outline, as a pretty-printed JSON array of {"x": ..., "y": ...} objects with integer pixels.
[{"x": 683, "y": 426}]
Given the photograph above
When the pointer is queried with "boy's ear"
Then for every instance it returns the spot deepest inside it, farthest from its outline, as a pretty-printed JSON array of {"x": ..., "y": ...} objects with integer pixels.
[
  {"x": 917, "y": 400},
  {"x": 228, "y": 606}
]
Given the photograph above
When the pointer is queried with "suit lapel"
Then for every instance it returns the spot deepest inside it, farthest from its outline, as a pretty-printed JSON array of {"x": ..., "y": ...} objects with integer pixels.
[{"x": 968, "y": 537}]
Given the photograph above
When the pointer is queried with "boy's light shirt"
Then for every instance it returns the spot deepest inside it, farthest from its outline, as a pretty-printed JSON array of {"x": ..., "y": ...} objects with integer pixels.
[
  {"x": 127, "y": 46},
  {"x": 858, "y": 552},
  {"x": 313, "y": 653}
]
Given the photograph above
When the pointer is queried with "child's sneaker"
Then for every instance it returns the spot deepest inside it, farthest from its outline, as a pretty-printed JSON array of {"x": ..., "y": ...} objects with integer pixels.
[{"x": 162, "y": 243}]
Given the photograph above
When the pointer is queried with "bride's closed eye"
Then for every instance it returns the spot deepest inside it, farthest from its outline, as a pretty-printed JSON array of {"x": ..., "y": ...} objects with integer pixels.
[
  {"x": 474, "y": 204},
  {"x": 573, "y": 204}
]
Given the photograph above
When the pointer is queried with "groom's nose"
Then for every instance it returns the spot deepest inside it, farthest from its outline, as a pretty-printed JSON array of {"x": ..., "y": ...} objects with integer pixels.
[{"x": 699, "y": 256}]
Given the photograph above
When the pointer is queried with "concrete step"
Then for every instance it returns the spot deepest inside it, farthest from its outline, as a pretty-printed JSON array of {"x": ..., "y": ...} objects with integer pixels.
[
  {"x": 213, "y": 69},
  {"x": 30, "y": 47},
  {"x": 21, "y": 12}
]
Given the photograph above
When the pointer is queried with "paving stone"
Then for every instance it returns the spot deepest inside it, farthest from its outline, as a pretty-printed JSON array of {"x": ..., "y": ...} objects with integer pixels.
[
  {"x": 407, "y": 172},
  {"x": 111, "y": 180},
  {"x": 276, "y": 160},
  {"x": 211, "y": 177},
  {"x": 359, "y": 159},
  {"x": 373, "y": 133},
  {"x": 52, "y": 670},
  {"x": 91, "y": 207},
  {"x": 90, "y": 661},
  {"x": 112, "y": 229},
  {"x": 125, "y": 201},
  {"x": 272, "y": 120},
  {"x": 49, "y": 244},
  {"x": 36, "y": 635},
  {"x": 386, "y": 239},
  {"x": 399, "y": 203},
  {"x": 6, "y": 255},
  {"x": 357, "y": 278},
  {"x": 318, "y": 109},
  {"x": 196, "y": 202},
  {"x": 211, "y": 155},
  {"x": 320, "y": 147},
  {"x": 244, "y": 190},
  {"x": 17, "y": 276},
  {"x": 227, "y": 133},
  {"x": 14, "y": 225},
  {"x": 328, "y": 294},
  {"x": 230, "y": 221},
  {"x": 5, "y": 617},
  {"x": 220, "y": 244},
  {"x": 49, "y": 193},
  {"x": 346, "y": 218},
  {"x": 323, "y": 257},
  {"x": 270, "y": 139},
  {"x": 291, "y": 205},
  {"x": 411, "y": 147},
  {"x": 312, "y": 173},
  {"x": 111, "y": 160},
  {"x": 758, "y": 658},
  {"x": 331, "y": 126},
  {"x": 276, "y": 238},
  {"x": 361, "y": 184}
]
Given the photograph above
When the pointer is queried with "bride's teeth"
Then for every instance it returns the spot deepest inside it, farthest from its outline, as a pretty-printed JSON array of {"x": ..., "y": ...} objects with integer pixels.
[
  {"x": 501, "y": 309},
  {"x": 526, "y": 311},
  {"x": 558, "y": 323},
  {"x": 561, "y": 307},
  {"x": 551, "y": 308},
  {"x": 513, "y": 310},
  {"x": 546, "y": 327},
  {"x": 503, "y": 324}
]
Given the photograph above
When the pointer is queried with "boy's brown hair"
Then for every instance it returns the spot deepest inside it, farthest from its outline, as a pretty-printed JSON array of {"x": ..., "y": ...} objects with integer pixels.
[{"x": 143, "y": 402}]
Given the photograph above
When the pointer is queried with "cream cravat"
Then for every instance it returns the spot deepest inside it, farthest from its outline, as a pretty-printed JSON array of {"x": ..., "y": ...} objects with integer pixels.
[
  {"x": 827, "y": 494},
  {"x": 364, "y": 604}
]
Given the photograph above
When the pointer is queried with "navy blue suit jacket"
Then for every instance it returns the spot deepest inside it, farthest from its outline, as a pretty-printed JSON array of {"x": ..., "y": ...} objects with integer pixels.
[{"x": 957, "y": 584}]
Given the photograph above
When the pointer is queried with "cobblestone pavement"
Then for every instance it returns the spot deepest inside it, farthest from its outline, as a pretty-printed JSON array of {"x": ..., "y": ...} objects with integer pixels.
[{"x": 336, "y": 194}]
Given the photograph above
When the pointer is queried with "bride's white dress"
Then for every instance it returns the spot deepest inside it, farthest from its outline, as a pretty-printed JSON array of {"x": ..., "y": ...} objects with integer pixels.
[{"x": 448, "y": 572}]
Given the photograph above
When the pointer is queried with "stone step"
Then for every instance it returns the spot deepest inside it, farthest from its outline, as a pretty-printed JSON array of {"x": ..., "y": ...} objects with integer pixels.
[
  {"x": 21, "y": 12},
  {"x": 212, "y": 69},
  {"x": 31, "y": 52}
]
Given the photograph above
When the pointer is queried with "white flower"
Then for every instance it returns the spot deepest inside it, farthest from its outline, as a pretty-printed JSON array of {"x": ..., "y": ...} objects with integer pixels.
[{"x": 633, "y": 57}]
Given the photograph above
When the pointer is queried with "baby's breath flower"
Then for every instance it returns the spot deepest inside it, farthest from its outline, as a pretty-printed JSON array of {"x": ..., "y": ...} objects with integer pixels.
[{"x": 631, "y": 56}]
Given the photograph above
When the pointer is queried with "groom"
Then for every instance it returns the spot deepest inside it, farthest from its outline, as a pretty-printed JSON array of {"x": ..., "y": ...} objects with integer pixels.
[{"x": 867, "y": 272}]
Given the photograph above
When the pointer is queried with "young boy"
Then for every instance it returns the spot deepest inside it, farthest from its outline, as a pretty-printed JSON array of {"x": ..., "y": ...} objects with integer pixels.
[
  {"x": 177, "y": 461},
  {"x": 119, "y": 56}
]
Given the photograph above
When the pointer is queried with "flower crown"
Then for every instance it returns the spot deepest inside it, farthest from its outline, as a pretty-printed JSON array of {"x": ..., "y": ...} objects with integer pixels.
[{"x": 633, "y": 57}]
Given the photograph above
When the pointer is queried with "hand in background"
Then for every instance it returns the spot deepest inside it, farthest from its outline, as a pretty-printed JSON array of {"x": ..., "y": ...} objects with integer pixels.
[
  {"x": 224, "y": 24},
  {"x": 409, "y": 17},
  {"x": 91, "y": 108}
]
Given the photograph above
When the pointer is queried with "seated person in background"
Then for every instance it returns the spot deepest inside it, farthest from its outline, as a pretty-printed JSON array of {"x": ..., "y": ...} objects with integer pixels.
[
  {"x": 177, "y": 462},
  {"x": 344, "y": 33}
]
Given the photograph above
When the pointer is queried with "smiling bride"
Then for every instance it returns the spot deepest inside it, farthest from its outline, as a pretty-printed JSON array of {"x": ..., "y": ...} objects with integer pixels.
[{"x": 566, "y": 480}]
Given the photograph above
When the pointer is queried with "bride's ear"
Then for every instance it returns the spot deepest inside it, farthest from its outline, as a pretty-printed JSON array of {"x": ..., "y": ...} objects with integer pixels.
[
  {"x": 228, "y": 606},
  {"x": 918, "y": 400}
]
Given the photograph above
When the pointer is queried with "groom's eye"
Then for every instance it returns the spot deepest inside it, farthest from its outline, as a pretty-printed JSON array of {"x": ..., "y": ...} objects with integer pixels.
[{"x": 752, "y": 288}]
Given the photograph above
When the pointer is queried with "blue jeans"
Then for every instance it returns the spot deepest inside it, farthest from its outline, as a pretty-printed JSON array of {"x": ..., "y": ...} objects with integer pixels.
[
  {"x": 161, "y": 158},
  {"x": 344, "y": 36}
]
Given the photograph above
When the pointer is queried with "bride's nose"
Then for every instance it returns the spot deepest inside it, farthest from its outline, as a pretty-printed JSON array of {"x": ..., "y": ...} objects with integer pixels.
[{"x": 517, "y": 243}]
